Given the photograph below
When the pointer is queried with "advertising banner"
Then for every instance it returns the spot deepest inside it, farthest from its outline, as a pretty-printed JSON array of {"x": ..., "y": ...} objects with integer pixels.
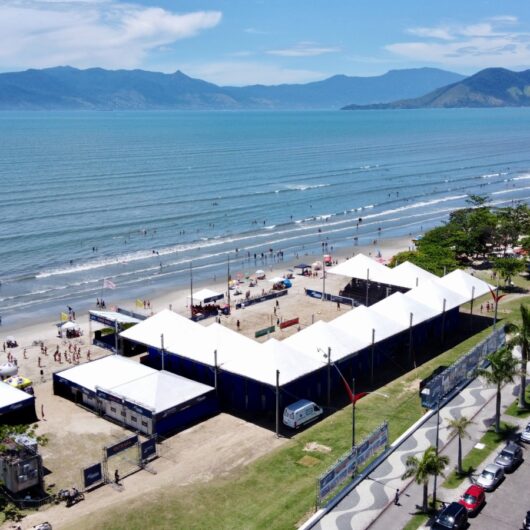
[
  {"x": 148, "y": 449},
  {"x": 375, "y": 441},
  {"x": 287, "y": 323},
  {"x": 112, "y": 450},
  {"x": 338, "y": 473},
  {"x": 92, "y": 475}
]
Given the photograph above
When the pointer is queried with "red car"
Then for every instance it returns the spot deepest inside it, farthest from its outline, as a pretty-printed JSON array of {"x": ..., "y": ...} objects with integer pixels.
[{"x": 473, "y": 499}]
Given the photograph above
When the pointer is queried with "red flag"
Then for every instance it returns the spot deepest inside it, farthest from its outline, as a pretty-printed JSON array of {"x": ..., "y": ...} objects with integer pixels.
[
  {"x": 348, "y": 389},
  {"x": 496, "y": 297}
]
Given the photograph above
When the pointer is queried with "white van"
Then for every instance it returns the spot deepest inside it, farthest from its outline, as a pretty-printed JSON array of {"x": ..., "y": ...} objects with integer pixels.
[{"x": 300, "y": 413}]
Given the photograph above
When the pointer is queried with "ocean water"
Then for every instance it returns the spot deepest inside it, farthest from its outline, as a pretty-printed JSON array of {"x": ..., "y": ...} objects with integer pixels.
[{"x": 136, "y": 197}]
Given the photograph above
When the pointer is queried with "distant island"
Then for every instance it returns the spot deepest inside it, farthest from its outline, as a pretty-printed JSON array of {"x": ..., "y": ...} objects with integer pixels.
[
  {"x": 492, "y": 87},
  {"x": 67, "y": 88}
]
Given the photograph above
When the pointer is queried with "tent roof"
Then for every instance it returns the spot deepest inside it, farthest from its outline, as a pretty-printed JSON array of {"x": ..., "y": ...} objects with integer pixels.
[
  {"x": 159, "y": 391},
  {"x": 9, "y": 395},
  {"x": 116, "y": 316},
  {"x": 362, "y": 320},
  {"x": 302, "y": 266},
  {"x": 410, "y": 275},
  {"x": 433, "y": 294},
  {"x": 463, "y": 283},
  {"x": 362, "y": 268},
  {"x": 398, "y": 307},
  {"x": 174, "y": 327},
  {"x": 106, "y": 372},
  {"x": 321, "y": 336},
  {"x": 205, "y": 294},
  {"x": 274, "y": 355}
]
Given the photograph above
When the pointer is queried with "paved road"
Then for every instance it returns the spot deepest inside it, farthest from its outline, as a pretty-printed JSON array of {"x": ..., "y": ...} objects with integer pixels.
[{"x": 506, "y": 506}]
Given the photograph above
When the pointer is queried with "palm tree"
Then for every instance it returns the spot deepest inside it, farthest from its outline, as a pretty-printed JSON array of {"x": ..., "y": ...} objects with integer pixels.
[
  {"x": 423, "y": 468},
  {"x": 458, "y": 427},
  {"x": 521, "y": 338},
  {"x": 502, "y": 369}
]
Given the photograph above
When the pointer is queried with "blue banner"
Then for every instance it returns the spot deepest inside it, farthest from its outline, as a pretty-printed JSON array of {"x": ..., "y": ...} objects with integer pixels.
[
  {"x": 338, "y": 473},
  {"x": 148, "y": 449},
  {"x": 121, "y": 446},
  {"x": 263, "y": 298},
  {"x": 331, "y": 297},
  {"x": 92, "y": 475}
]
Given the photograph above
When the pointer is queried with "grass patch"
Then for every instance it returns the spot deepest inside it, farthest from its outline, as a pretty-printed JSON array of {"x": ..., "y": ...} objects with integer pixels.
[
  {"x": 475, "y": 457},
  {"x": 513, "y": 409},
  {"x": 416, "y": 521},
  {"x": 278, "y": 491}
]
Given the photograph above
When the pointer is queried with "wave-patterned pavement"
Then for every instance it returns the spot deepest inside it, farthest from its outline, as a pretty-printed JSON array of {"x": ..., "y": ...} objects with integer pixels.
[{"x": 360, "y": 507}]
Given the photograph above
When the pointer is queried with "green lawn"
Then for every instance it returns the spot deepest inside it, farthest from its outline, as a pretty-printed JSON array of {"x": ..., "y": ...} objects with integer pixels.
[
  {"x": 277, "y": 491},
  {"x": 475, "y": 457},
  {"x": 513, "y": 409}
]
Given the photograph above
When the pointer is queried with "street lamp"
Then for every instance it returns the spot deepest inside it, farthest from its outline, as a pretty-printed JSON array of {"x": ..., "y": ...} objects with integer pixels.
[{"x": 328, "y": 357}]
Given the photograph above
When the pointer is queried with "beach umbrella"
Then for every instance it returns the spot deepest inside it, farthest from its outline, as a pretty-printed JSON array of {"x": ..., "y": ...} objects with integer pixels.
[
  {"x": 277, "y": 279},
  {"x": 69, "y": 325},
  {"x": 317, "y": 265},
  {"x": 8, "y": 369},
  {"x": 11, "y": 339}
]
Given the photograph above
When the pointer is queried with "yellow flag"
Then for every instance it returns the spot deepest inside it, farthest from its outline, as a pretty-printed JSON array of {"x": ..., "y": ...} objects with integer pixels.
[
  {"x": 64, "y": 317},
  {"x": 139, "y": 303}
]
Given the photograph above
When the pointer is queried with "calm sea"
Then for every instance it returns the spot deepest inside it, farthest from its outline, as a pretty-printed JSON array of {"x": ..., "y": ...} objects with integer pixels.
[{"x": 135, "y": 196}]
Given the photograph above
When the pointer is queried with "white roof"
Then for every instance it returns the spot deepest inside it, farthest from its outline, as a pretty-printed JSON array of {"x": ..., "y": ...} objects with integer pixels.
[
  {"x": 106, "y": 372},
  {"x": 463, "y": 283},
  {"x": 173, "y": 326},
  {"x": 200, "y": 345},
  {"x": 315, "y": 340},
  {"x": 433, "y": 295},
  {"x": 205, "y": 294},
  {"x": 116, "y": 316},
  {"x": 274, "y": 355},
  {"x": 398, "y": 307},
  {"x": 159, "y": 391},
  {"x": 409, "y": 275},
  {"x": 9, "y": 395},
  {"x": 363, "y": 268},
  {"x": 362, "y": 320}
]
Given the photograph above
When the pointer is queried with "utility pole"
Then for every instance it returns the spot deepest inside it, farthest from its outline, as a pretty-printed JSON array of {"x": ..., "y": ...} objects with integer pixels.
[
  {"x": 277, "y": 403},
  {"x": 228, "y": 281},
  {"x": 367, "y": 285},
  {"x": 162, "y": 350},
  {"x": 443, "y": 320},
  {"x": 329, "y": 376},
  {"x": 215, "y": 371},
  {"x": 353, "y": 413},
  {"x": 372, "y": 358},
  {"x": 437, "y": 447},
  {"x": 471, "y": 308},
  {"x": 191, "y": 290}
]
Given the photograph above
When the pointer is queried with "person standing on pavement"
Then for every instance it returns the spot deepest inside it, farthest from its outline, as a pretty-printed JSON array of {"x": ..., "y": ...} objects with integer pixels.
[{"x": 396, "y": 498}]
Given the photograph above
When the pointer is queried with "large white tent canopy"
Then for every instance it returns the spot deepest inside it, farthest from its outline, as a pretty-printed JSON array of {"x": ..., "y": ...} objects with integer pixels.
[
  {"x": 466, "y": 284},
  {"x": 400, "y": 308},
  {"x": 205, "y": 296},
  {"x": 409, "y": 275},
  {"x": 9, "y": 396},
  {"x": 364, "y": 268},
  {"x": 437, "y": 296}
]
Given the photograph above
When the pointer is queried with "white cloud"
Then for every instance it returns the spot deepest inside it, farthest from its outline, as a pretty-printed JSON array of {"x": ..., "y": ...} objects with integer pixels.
[
  {"x": 304, "y": 49},
  {"x": 240, "y": 73},
  {"x": 490, "y": 42},
  {"x": 84, "y": 33}
]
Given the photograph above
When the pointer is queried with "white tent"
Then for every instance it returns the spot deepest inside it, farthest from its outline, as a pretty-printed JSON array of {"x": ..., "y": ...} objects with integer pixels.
[
  {"x": 364, "y": 268},
  {"x": 409, "y": 275},
  {"x": 433, "y": 295},
  {"x": 274, "y": 355},
  {"x": 69, "y": 325},
  {"x": 400, "y": 308},
  {"x": 315, "y": 340},
  {"x": 158, "y": 391},
  {"x": 465, "y": 283},
  {"x": 173, "y": 326},
  {"x": 362, "y": 320},
  {"x": 11, "y": 396},
  {"x": 206, "y": 296},
  {"x": 113, "y": 316}
]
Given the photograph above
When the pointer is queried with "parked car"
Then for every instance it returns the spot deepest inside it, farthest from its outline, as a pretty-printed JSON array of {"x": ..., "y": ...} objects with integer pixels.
[
  {"x": 526, "y": 521},
  {"x": 490, "y": 477},
  {"x": 453, "y": 516},
  {"x": 510, "y": 457},
  {"x": 525, "y": 435},
  {"x": 301, "y": 412},
  {"x": 473, "y": 499}
]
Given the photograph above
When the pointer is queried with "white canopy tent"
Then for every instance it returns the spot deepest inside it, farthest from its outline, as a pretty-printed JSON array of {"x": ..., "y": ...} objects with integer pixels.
[
  {"x": 206, "y": 296},
  {"x": 465, "y": 283},
  {"x": 364, "y": 268},
  {"x": 400, "y": 308},
  {"x": 11, "y": 396},
  {"x": 433, "y": 295},
  {"x": 410, "y": 275},
  {"x": 315, "y": 340},
  {"x": 274, "y": 355},
  {"x": 362, "y": 320}
]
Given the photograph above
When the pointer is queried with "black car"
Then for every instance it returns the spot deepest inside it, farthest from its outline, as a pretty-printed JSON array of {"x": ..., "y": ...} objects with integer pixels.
[
  {"x": 453, "y": 516},
  {"x": 526, "y": 521},
  {"x": 510, "y": 457}
]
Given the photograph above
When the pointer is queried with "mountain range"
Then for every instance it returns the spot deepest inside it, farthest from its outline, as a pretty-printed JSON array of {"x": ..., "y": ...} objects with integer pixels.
[
  {"x": 67, "y": 88},
  {"x": 492, "y": 87}
]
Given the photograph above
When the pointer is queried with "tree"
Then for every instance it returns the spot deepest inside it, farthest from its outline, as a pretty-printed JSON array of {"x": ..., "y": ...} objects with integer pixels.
[
  {"x": 458, "y": 427},
  {"x": 521, "y": 338},
  {"x": 423, "y": 468},
  {"x": 507, "y": 268},
  {"x": 513, "y": 222},
  {"x": 502, "y": 369},
  {"x": 9, "y": 431}
]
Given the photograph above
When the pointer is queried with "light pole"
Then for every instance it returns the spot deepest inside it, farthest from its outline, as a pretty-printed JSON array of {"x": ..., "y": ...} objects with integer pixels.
[
  {"x": 353, "y": 413},
  {"x": 437, "y": 447}
]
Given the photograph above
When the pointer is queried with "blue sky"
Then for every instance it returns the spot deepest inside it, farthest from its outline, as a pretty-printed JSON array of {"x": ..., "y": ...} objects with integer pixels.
[{"x": 238, "y": 42}]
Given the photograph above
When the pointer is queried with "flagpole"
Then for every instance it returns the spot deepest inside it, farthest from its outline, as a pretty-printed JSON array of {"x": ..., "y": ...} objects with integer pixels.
[{"x": 191, "y": 290}]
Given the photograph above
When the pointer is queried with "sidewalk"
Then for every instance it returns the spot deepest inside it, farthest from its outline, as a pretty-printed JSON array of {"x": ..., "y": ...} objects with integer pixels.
[
  {"x": 398, "y": 516},
  {"x": 370, "y": 505}
]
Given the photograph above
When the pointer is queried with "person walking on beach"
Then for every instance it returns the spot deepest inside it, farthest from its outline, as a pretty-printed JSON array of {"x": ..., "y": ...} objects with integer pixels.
[
  {"x": 116, "y": 478},
  {"x": 238, "y": 324}
]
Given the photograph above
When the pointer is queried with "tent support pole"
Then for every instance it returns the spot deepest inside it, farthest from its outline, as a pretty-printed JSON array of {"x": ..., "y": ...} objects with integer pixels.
[
  {"x": 367, "y": 285},
  {"x": 372, "y": 357},
  {"x": 412, "y": 359},
  {"x": 329, "y": 376},
  {"x": 443, "y": 321},
  {"x": 215, "y": 371},
  {"x": 471, "y": 308},
  {"x": 277, "y": 403},
  {"x": 162, "y": 350}
]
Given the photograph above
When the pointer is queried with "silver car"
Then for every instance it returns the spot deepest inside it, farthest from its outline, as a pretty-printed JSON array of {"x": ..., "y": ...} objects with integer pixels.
[
  {"x": 490, "y": 477},
  {"x": 510, "y": 457},
  {"x": 525, "y": 435}
]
